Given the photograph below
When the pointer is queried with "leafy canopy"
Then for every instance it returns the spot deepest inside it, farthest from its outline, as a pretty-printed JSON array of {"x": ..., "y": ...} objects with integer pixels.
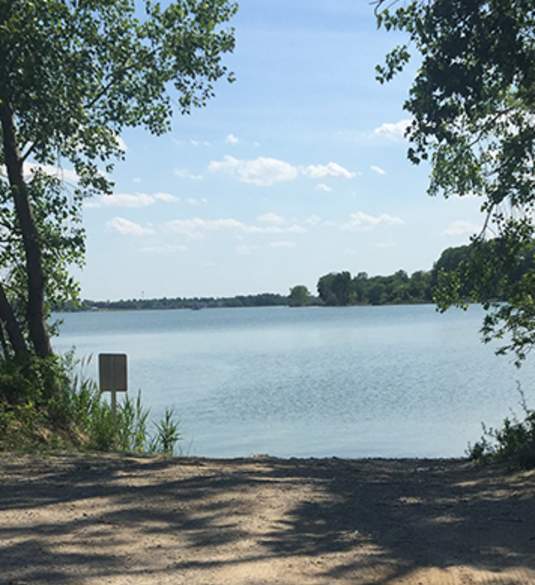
[
  {"x": 78, "y": 72},
  {"x": 74, "y": 74},
  {"x": 472, "y": 106}
]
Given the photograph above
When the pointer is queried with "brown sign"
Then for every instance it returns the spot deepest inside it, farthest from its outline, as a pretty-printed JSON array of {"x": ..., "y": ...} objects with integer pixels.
[{"x": 112, "y": 372}]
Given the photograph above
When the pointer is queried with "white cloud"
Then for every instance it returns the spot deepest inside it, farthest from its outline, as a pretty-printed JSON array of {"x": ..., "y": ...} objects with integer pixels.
[
  {"x": 200, "y": 142},
  {"x": 361, "y": 220},
  {"x": 130, "y": 200},
  {"x": 377, "y": 169},
  {"x": 196, "y": 201},
  {"x": 261, "y": 171},
  {"x": 197, "y": 227},
  {"x": 271, "y": 218},
  {"x": 232, "y": 139},
  {"x": 264, "y": 171},
  {"x": 165, "y": 197},
  {"x": 282, "y": 244},
  {"x": 187, "y": 174},
  {"x": 331, "y": 169},
  {"x": 461, "y": 228},
  {"x": 393, "y": 130},
  {"x": 136, "y": 180},
  {"x": 323, "y": 187},
  {"x": 125, "y": 227}
]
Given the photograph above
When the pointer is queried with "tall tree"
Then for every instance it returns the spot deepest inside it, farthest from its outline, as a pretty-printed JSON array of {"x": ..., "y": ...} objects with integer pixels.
[
  {"x": 472, "y": 107},
  {"x": 73, "y": 75},
  {"x": 299, "y": 296}
]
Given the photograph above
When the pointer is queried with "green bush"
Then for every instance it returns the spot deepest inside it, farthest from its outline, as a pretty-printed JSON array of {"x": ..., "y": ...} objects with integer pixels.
[
  {"x": 75, "y": 414},
  {"x": 513, "y": 443}
]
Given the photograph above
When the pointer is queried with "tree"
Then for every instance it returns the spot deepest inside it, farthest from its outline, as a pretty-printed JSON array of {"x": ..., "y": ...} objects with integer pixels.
[
  {"x": 335, "y": 288},
  {"x": 341, "y": 288},
  {"x": 472, "y": 107},
  {"x": 325, "y": 290},
  {"x": 73, "y": 75},
  {"x": 299, "y": 296}
]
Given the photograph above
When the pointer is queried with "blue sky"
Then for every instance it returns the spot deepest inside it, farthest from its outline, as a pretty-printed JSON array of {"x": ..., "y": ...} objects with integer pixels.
[{"x": 297, "y": 169}]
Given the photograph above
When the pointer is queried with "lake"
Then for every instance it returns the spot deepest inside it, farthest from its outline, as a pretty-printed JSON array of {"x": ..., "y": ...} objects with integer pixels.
[{"x": 391, "y": 381}]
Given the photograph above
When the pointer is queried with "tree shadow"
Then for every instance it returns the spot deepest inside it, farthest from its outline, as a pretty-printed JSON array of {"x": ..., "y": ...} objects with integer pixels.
[{"x": 367, "y": 521}]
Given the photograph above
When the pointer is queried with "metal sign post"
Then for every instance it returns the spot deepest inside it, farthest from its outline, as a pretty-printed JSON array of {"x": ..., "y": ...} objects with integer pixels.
[{"x": 112, "y": 375}]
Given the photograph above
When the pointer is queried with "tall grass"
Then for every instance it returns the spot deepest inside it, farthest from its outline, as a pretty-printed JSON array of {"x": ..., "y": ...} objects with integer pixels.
[{"x": 78, "y": 415}]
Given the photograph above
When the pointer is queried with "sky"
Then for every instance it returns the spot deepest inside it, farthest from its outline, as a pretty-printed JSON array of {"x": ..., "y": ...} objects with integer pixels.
[{"x": 297, "y": 169}]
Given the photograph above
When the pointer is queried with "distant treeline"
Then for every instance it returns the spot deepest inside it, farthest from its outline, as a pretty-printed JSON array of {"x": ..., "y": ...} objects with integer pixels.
[
  {"x": 260, "y": 300},
  {"x": 334, "y": 289}
]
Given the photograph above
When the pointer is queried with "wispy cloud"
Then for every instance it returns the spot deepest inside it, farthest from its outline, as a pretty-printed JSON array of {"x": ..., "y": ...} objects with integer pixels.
[
  {"x": 125, "y": 227},
  {"x": 196, "y": 201},
  {"x": 187, "y": 174},
  {"x": 232, "y": 139},
  {"x": 361, "y": 220},
  {"x": 271, "y": 218},
  {"x": 331, "y": 169},
  {"x": 194, "y": 142},
  {"x": 377, "y": 169},
  {"x": 323, "y": 187},
  {"x": 393, "y": 130},
  {"x": 197, "y": 227},
  {"x": 461, "y": 228},
  {"x": 130, "y": 200}
]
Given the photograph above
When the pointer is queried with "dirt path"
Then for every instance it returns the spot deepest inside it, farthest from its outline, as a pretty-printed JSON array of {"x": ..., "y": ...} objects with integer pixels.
[{"x": 107, "y": 520}]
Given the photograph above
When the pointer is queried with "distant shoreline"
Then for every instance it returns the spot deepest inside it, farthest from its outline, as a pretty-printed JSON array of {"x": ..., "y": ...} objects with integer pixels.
[{"x": 318, "y": 305}]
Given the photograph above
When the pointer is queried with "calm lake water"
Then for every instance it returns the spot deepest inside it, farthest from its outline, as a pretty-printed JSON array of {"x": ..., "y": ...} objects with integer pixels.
[{"x": 354, "y": 382}]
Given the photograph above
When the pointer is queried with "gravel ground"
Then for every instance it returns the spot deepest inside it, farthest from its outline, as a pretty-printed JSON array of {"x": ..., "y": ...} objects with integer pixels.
[{"x": 106, "y": 519}]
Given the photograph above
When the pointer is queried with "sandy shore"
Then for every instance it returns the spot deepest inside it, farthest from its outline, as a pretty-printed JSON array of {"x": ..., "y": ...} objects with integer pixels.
[{"x": 97, "y": 520}]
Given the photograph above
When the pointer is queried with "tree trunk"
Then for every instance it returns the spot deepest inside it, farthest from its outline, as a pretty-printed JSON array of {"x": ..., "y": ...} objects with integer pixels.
[
  {"x": 14, "y": 333},
  {"x": 30, "y": 237},
  {"x": 6, "y": 352}
]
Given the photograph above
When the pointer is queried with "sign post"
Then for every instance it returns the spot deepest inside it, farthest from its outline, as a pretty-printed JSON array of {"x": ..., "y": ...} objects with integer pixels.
[{"x": 112, "y": 375}]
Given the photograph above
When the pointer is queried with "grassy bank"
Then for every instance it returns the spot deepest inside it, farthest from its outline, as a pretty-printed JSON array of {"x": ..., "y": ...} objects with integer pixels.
[{"x": 75, "y": 416}]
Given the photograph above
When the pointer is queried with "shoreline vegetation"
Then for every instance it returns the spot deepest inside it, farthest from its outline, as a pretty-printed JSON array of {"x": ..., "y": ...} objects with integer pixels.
[{"x": 334, "y": 289}]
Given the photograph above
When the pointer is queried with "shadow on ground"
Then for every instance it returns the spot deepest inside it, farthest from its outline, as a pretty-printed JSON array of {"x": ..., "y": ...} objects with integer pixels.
[{"x": 82, "y": 520}]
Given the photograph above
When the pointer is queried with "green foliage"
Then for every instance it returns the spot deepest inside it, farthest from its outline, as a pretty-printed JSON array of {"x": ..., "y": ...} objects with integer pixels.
[
  {"x": 76, "y": 415},
  {"x": 299, "y": 296},
  {"x": 341, "y": 289},
  {"x": 167, "y": 435},
  {"x": 513, "y": 443},
  {"x": 259, "y": 300},
  {"x": 472, "y": 106},
  {"x": 74, "y": 76}
]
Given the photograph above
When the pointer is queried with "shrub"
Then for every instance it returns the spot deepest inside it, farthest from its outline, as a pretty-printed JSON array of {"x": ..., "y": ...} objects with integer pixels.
[
  {"x": 513, "y": 443},
  {"x": 76, "y": 414}
]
